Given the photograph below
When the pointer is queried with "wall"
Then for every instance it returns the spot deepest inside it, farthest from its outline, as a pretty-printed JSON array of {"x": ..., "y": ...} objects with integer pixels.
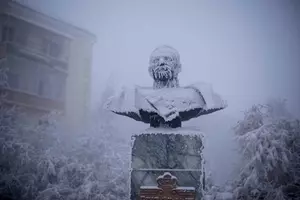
[
  {"x": 77, "y": 51},
  {"x": 78, "y": 82}
]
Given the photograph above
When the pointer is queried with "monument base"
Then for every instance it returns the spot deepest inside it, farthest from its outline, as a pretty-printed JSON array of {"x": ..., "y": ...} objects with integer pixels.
[{"x": 177, "y": 151}]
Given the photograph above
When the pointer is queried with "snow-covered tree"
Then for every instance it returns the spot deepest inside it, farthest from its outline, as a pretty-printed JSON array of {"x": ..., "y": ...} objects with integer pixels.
[
  {"x": 269, "y": 139},
  {"x": 214, "y": 192},
  {"x": 41, "y": 161}
]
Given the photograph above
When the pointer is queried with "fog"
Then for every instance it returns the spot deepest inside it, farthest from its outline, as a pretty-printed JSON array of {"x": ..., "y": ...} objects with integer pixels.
[{"x": 248, "y": 50}]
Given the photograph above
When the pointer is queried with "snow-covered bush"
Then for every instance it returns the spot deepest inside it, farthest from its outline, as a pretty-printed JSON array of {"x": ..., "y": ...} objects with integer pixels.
[
  {"x": 214, "y": 192},
  {"x": 269, "y": 139},
  {"x": 40, "y": 162}
]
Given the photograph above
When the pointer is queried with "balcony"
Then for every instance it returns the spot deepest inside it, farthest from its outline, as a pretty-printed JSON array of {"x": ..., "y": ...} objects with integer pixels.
[
  {"x": 7, "y": 48},
  {"x": 20, "y": 98}
]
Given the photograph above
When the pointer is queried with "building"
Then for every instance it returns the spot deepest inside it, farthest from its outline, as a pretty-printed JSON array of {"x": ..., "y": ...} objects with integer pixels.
[{"x": 49, "y": 62}]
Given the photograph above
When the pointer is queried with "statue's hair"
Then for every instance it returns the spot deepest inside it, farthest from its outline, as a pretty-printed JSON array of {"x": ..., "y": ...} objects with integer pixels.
[{"x": 169, "y": 49}]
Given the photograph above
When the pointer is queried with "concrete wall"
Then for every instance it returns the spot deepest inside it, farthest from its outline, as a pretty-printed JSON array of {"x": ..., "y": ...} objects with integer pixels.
[{"x": 78, "y": 83}]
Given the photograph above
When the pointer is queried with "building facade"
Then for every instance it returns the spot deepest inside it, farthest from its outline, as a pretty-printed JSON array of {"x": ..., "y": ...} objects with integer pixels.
[{"x": 49, "y": 63}]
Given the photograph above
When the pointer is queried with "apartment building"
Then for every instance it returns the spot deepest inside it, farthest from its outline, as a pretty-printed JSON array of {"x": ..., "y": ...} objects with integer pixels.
[{"x": 49, "y": 63}]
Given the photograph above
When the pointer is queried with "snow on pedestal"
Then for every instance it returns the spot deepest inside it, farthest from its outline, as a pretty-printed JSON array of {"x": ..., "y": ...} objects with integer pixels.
[{"x": 176, "y": 151}]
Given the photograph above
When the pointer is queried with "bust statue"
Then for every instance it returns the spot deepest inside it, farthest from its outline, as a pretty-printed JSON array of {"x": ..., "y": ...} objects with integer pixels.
[{"x": 166, "y": 104}]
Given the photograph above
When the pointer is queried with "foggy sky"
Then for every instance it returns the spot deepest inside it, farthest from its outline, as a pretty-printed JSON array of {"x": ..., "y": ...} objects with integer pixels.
[{"x": 248, "y": 50}]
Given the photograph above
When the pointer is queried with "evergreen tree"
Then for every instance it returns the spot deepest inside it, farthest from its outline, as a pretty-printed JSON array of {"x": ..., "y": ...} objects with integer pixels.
[{"x": 269, "y": 139}]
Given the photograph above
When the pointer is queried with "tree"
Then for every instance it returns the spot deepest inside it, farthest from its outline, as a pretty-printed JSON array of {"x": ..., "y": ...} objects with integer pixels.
[
  {"x": 269, "y": 139},
  {"x": 43, "y": 162}
]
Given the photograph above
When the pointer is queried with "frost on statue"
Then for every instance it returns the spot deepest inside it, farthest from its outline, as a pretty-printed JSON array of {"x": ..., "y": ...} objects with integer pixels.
[
  {"x": 166, "y": 104},
  {"x": 166, "y": 148}
]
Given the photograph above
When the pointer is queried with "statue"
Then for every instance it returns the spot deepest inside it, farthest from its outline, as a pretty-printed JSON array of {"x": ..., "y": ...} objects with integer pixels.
[{"x": 166, "y": 104}]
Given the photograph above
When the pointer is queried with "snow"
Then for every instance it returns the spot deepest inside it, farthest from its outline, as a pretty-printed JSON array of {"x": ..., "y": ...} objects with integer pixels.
[
  {"x": 165, "y": 50},
  {"x": 219, "y": 196},
  {"x": 172, "y": 178},
  {"x": 88, "y": 165},
  {"x": 192, "y": 131},
  {"x": 224, "y": 196},
  {"x": 186, "y": 188},
  {"x": 166, "y": 174},
  {"x": 268, "y": 138},
  {"x": 179, "y": 188},
  {"x": 181, "y": 99},
  {"x": 160, "y": 100},
  {"x": 175, "y": 170},
  {"x": 130, "y": 163},
  {"x": 202, "y": 170},
  {"x": 149, "y": 187},
  {"x": 167, "y": 102},
  {"x": 170, "y": 70},
  {"x": 124, "y": 101},
  {"x": 212, "y": 99}
]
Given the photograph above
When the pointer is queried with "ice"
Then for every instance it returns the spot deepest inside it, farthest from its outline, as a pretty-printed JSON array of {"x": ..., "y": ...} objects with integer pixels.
[
  {"x": 182, "y": 131},
  {"x": 186, "y": 188},
  {"x": 167, "y": 174},
  {"x": 167, "y": 102},
  {"x": 183, "y": 99},
  {"x": 124, "y": 101},
  {"x": 212, "y": 99},
  {"x": 149, "y": 187}
]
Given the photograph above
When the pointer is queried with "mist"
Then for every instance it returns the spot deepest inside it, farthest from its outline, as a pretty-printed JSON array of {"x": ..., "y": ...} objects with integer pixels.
[{"x": 248, "y": 50}]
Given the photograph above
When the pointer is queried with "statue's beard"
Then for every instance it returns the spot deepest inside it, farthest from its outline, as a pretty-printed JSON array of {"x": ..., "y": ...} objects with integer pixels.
[
  {"x": 162, "y": 73},
  {"x": 164, "y": 76}
]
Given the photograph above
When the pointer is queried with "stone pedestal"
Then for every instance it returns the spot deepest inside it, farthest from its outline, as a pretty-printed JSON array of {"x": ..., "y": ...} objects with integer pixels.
[{"x": 156, "y": 151}]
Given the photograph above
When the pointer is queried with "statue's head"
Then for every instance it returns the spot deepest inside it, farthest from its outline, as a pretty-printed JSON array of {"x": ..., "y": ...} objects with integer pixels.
[{"x": 164, "y": 66}]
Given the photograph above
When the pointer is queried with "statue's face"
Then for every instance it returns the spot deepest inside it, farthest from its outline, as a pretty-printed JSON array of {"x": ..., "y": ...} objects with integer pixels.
[
  {"x": 164, "y": 64},
  {"x": 162, "y": 67}
]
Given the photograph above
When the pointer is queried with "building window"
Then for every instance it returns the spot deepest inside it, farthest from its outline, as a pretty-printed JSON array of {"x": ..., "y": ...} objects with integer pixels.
[
  {"x": 57, "y": 82},
  {"x": 51, "y": 48},
  {"x": 45, "y": 45},
  {"x": 59, "y": 93},
  {"x": 41, "y": 88},
  {"x": 8, "y": 34},
  {"x": 13, "y": 81},
  {"x": 55, "y": 50}
]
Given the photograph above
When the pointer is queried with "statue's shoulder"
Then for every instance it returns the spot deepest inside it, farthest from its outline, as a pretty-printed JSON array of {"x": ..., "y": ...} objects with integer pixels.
[
  {"x": 122, "y": 100},
  {"x": 212, "y": 99},
  {"x": 200, "y": 85}
]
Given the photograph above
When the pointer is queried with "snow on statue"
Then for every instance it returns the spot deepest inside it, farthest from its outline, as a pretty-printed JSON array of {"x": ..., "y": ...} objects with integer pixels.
[{"x": 166, "y": 104}]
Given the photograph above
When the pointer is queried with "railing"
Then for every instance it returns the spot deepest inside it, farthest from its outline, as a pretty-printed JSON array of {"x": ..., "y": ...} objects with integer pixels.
[{"x": 167, "y": 190}]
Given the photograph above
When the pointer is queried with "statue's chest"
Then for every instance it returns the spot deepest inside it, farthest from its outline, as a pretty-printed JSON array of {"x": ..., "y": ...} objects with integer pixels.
[{"x": 181, "y": 99}]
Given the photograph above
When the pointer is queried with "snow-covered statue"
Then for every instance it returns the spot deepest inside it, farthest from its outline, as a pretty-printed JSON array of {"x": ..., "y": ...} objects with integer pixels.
[
  {"x": 165, "y": 147},
  {"x": 166, "y": 104}
]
